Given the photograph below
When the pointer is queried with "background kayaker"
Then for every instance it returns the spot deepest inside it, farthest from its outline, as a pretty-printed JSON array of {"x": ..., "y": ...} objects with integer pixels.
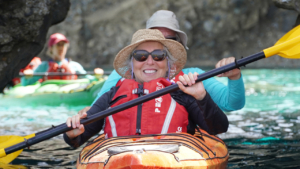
[
  {"x": 146, "y": 65},
  {"x": 58, "y": 45},
  {"x": 228, "y": 98}
]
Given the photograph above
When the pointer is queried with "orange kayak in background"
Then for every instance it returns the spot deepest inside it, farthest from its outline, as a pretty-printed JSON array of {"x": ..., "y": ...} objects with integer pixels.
[{"x": 168, "y": 151}]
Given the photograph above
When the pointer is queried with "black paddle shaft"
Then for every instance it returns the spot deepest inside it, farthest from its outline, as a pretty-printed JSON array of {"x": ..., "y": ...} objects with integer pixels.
[{"x": 44, "y": 135}]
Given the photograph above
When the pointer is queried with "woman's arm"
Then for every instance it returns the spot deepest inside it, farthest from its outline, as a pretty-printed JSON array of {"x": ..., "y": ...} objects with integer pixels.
[
  {"x": 91, "y": 129},
  {"x": 204, "y": 113},
  {"x": 215, "y": 118},
  {"x": 200, "y": 105},
  {"x": 75, "y": 66}
]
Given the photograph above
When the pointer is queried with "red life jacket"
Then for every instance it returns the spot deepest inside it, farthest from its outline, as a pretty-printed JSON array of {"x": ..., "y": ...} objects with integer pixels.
[
  {"x": 34, "y": 63},
  {"x": 63, "y": 68},
  {"x": 160, "y": 115}
]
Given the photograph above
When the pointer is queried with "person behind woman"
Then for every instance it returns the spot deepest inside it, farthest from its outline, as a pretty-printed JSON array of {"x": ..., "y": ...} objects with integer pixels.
[
  {"x": 58, "y": 45},
  {"x": 146, "y": 66}
]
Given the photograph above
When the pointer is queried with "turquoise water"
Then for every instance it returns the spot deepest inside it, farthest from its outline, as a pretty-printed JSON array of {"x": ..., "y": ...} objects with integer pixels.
[
  {"x": 272, "y": 106},
  {"x": 26, "y": 120},
  {"x": 268, "y": 125}
]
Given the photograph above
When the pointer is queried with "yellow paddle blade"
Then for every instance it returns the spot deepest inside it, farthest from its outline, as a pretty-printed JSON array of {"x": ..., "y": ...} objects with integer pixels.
[
  {"x": 7, "y": 141},
  {"x": 7, "y": 166},
  {"x": 288, "y": 46}
]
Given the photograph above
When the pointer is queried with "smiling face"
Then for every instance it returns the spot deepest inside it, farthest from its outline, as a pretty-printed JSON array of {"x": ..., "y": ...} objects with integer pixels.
[
  {"x": 59, "y": 51},
  {"x": 149, "y": 69}
]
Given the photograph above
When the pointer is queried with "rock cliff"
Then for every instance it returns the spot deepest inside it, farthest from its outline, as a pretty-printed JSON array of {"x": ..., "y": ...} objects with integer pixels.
[
  {"x": 98, "y": 29},
  {"x": 24, "y": 25}
]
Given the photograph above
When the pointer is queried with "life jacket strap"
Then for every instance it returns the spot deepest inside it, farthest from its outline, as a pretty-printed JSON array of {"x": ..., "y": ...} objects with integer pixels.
[{"x": 169, "y": 117}]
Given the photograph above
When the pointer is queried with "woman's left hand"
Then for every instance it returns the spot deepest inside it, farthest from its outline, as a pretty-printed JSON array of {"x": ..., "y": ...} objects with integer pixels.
[{"x": 196, "y": 90}]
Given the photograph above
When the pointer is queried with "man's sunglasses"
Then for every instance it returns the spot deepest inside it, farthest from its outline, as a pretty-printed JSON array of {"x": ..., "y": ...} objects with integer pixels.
[
  {"x": 142, "y": 55},
  {"x": 172, "y": 38}
]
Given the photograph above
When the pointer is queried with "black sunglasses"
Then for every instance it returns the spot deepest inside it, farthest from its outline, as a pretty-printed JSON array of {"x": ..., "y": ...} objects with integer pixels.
[
  {"x": 142, "y": 55},
  {"x": 172, "y": 38}
]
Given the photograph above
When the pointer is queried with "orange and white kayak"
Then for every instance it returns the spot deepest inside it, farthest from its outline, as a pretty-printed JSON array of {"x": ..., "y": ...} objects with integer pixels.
[{"x": 168, "y": 151}]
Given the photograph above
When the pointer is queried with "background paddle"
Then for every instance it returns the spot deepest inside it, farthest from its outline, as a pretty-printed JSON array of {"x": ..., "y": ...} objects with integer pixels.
[
  {"x": 63, "y": 74},
  {"x": 288, "y": 47}
]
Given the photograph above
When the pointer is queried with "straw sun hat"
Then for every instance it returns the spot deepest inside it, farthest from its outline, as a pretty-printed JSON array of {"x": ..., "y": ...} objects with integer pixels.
[{"x": 122, "y": 60}]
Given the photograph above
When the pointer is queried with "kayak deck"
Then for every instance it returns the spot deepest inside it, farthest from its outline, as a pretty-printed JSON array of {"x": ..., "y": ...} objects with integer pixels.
[{"x": 155, "y": 151}]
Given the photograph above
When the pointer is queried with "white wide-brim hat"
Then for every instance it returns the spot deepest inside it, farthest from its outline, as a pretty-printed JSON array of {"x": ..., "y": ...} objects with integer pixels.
[
  {"x": 167, "y": 19},
  {"x": 122, "y": 59}
]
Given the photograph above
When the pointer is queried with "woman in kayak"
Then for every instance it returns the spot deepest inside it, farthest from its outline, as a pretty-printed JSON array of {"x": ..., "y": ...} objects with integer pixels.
[
  {"x": 228, "y": 97},
  {"x": 58, "y": 45},
  {"x": 146, "y": 66}
]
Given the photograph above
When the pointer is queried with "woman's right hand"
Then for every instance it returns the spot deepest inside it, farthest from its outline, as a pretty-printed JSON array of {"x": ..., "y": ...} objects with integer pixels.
[{"x": 74, "y": 122}]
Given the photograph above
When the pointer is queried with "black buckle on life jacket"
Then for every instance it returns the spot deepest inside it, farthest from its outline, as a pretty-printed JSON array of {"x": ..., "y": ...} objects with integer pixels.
[{"x": 140, "y": 91}]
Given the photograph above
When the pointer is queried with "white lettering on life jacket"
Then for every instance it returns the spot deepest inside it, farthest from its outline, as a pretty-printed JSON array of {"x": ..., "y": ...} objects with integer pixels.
[
  {"x": 159, "y": 86},
  {"x": 158, "y": 102},
  {"x": 159, "y": 99},
  {"x": 179, "y": 129},
  {"x": 173, "y": 80}
]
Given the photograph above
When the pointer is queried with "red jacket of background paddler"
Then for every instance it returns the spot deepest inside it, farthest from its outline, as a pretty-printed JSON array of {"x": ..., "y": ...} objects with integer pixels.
[
  {"x": 63, "y": 68},
  {"x": 34, "y": 63}
]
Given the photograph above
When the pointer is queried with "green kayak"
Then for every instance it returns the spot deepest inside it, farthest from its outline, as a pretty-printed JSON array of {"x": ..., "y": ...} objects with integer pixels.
[{"x": 53, "y": 93}]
